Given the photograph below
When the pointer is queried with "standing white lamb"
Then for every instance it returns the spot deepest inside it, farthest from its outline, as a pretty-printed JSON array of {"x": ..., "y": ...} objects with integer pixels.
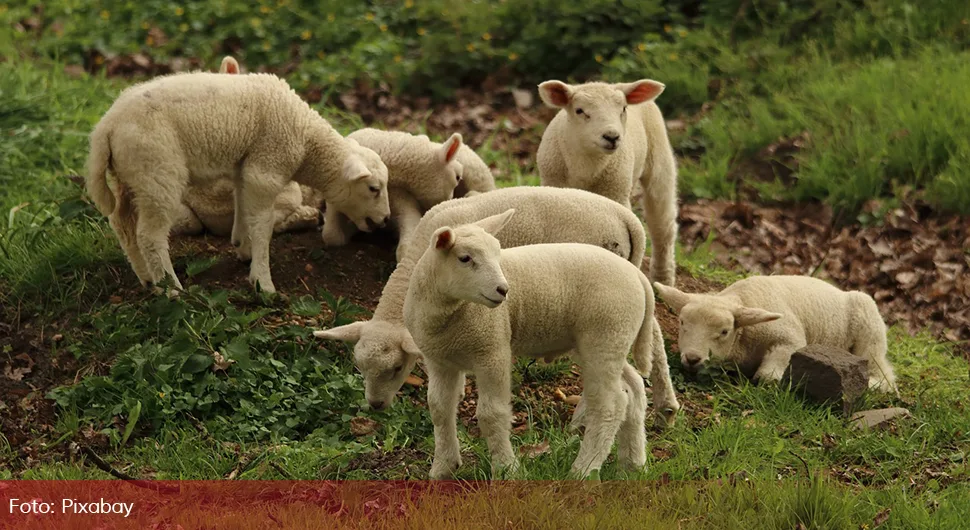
[
  {"x": 163, "y": 135},
  {"x": 759, "y": 322},
  {"x": 209, "y": 206},
  {"x": 421, "y": 174},
  {"x": 472, "y": 307},
  {"x": 597, "y": 144},
  {"x": 385, "y": 353}
]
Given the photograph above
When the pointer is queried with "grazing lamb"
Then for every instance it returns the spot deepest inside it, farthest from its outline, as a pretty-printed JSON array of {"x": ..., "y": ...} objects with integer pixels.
[
  {"x": 163, "y": 135},
  {"x": 759, "y": 322},
  {"x": 472, "y": 307},
  {"x": 594, "y": 143},
  {"x": 421, "y": 174},
  {"x": 385, "y": 353},
  {"x": 209, "y": 207}
]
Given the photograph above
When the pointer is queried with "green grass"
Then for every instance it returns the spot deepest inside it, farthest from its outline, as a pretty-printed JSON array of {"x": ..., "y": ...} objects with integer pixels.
[{"x": 739, "y": 456}]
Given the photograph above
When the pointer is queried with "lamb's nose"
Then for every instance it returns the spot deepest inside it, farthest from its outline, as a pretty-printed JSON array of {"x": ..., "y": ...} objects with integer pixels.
[
  {"x": 502, "y": 290},
  {"x": 611, "y": 138},
  {"x": 387, "y": 218},
  {"x": 376, "y": 405},
  {"x": 692, "y": 360}
]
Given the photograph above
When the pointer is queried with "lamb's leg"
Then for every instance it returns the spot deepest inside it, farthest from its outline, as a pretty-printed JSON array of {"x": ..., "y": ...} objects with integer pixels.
[
  {"x": 870, "y": 343},
  {"x": 405, "y": 214},
  {"x": 124, "y": 221},
  {"x": 337, "y": 230},
  {"x": 444, "y": 390},
  {"x": 259, "y": 193},
  {"x": 775, "y": 361},
  {"x": 240, "y": 230},
  {"x": 665, "y": 402},
  {"x": 631, "y": 443},
  {"x": 606, "y": 402},
  {"x": 494, "y": 415},
  {"x": 154, "y": 225},
  {"x": 660, "y": 212}
]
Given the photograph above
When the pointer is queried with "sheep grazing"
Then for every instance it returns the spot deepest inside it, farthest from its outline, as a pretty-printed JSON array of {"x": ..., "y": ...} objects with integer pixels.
[
  {"x": 595, "y": 143},
  {"x": 163, "y": 135},
  {"x": 209, "y": 206},
  {"x": 421, "y": 174},
  {"x": 385, "y": 353},
  {"x": 472, "y": 306},
  {"x": 759, "y": 322}
]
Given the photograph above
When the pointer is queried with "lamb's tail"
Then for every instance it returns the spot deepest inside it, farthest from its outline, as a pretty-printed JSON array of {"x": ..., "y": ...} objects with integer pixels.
[
  {"x": 96, "y": 182},
  {"x": 638, "y": 239},
  {"x": 649, "y": 339}
]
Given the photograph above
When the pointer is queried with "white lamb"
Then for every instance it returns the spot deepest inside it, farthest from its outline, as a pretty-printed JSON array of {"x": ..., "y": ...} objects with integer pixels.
[
  {"x": 385, "y": 353},
  {"x": 162, "y": 135},
  {"x": 595, "y": 143},
  {"x": 472, "y": 307},
  {"x": 209, "y": 206},
  {"x": 421, "y": 174},
  {"x": 759, "y": 322}
]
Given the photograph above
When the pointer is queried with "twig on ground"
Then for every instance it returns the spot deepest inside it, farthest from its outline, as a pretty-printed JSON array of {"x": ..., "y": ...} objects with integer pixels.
[
  {"x": 808, "y": 472},
  {"x": 104, "y": 466},
  {"x": 282, "y": 471}
]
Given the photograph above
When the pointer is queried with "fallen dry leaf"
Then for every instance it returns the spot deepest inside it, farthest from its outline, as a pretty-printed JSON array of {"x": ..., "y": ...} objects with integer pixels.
[
  {"x": 573, "y": 400},
  {"x": 115, "y": 299},
  {"x": 532, "y": 451},
  {"x": 220, "y": 363},
  {"x": 414, "y": 380},
  {"x": 881, "y": 518},
  {"x": 361, "y": 426},
  {"x": 15, "y": 374}
]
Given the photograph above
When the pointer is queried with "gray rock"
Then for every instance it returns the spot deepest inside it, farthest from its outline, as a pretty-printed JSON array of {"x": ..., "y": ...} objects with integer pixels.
[
  {"x": 869, "y": 419},
  {"x": 829, "y": 374}
]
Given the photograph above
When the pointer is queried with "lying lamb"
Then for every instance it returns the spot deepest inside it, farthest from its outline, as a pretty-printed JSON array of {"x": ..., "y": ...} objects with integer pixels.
[
  {"x": 759, "y": 322},
  {"x": 163, "y": 135},
  {"x": 595, "y": 144},
  {"x": 421, "y": 174},
  {"x": 385, "y": 353},
  {"x": 209, "y": 207},
  {"x": 472, "y": 307}
]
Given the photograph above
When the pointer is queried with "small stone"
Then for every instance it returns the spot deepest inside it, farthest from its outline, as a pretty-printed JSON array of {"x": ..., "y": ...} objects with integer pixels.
[
  {"x": 361, "y": 426},
  {"x": 869, "y": 419},
  {"x": 829, "y": 374}
]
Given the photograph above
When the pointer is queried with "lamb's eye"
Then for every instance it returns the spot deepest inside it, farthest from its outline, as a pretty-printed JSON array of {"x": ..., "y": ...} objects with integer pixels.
[
  {"x": 375, "y": 189},
  {"x": 465, "y": 259},
  {"x": 397, "y": 369},
  {"x": 579, "y": 112},
  {"x": 724, "y": 332},
  {"x": 624, "y": 109}
]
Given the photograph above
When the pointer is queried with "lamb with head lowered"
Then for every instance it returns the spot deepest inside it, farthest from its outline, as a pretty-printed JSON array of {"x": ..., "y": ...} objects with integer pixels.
[
  {"x": 471, "y": 307},
  {"x": 759, "y": 322},
  {"x": 196, "y": 128},
  {"x": 606, "y": 137}
]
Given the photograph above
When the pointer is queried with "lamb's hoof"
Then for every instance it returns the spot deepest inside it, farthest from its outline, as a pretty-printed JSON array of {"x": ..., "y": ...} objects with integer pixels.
[
  {"x": 505, "y": 471},
  {"x": 265, "y": 286},
  {"x": 442, "y": 470}
]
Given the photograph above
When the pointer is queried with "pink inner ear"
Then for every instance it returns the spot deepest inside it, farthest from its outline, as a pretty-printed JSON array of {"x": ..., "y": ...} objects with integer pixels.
[
  {"x": 643, "y": 92},
  {"x": 444, "y": 240},
  {"x": 231, "y": 68},
  {"x": 452, "y": 149},
  {"x": 558, "y": 94}
]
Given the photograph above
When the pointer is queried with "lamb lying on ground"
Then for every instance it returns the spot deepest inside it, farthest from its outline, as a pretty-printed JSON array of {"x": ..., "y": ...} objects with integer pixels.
[
  {"x": 472, "y": 307},
  {"x": 209, "y": 207},
  {"x": 597, "y": 144},
  {"x": 421, "y": 174},
  {"x": 759, "y": 322},
  {"x": 385, "y": 353},
  {"x": 163, "y": 135}
]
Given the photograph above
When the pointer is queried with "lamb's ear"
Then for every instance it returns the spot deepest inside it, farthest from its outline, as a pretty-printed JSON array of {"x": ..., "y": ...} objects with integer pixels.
[
  {"x": 448, "y": 150},
  {"x": 229, "y": 65},
  {"x": 355, "y": 169},
  {"x": 443, "y": 238},
  {"x": 348, "y": 333},
  {"x": 749, "y": 316},
  {"x": 494, "y": 224},
  {"x": 641, "y": 91},
  {"x": 672, "y": 296},
  {"x": 408, "y": 345},
  {"x": 555, "y": 94}
]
